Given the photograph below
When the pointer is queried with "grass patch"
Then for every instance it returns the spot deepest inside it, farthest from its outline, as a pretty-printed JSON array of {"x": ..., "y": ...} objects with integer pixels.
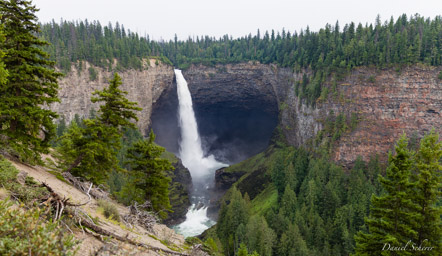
[{"x": 265, "y": 200}]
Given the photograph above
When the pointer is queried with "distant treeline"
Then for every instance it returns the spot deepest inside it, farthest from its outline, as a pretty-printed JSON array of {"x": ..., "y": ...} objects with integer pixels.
[
  {"x": 404, "y": 41},
  {"x": 329, "y": 53}
]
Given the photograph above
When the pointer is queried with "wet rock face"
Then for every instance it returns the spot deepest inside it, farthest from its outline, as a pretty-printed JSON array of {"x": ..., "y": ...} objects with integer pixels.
[
  {"x": 236, "y": 107},
  {"x": 144, "y": 87},
  {"x": 387, "y": 103}
]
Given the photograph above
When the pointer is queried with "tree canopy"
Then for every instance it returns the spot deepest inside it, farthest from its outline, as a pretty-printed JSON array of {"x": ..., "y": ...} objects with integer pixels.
[{"x": 26, "y": 125}]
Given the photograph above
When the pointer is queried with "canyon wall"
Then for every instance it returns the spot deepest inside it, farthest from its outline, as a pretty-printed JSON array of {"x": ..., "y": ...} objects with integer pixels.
[
  {"x": 387, "y": 103},
  {"x": 239, "y": 105},
  {"x": 143, "y": 86}
]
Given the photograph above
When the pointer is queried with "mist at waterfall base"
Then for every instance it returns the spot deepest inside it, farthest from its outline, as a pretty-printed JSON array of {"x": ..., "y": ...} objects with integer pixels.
[{"x": 201, "y": 167}]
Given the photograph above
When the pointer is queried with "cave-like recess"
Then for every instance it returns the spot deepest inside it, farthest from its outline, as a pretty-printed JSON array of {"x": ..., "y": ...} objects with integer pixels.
[{"x": 235, "y": 118}]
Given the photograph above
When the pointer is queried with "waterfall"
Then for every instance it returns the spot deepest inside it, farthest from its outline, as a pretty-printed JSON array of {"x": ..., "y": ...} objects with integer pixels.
[{"x": 201, "y": 167}]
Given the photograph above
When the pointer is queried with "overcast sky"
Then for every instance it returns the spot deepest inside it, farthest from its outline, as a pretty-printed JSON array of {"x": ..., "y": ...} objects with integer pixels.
[{"x": 161, "y": 19}]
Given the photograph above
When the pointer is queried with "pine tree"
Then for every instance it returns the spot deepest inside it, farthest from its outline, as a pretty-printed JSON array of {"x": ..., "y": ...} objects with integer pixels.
[
  {"x": 392, "y": 215},
  {"x": 260, "y": 237},
  {"x": 26, "y": 126},
  {"x": 3, "y": 71},
  {"x": 117, "y": 111},
  {"x": 291, "y": 243},
  {"x": 149, "y": 171},
  {"x": 90, "y": 149},
  {"x": 427, "y": 196}
]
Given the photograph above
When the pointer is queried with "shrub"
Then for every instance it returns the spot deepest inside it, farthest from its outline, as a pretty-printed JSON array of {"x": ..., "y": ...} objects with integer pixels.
[
  {"x": 24, "y": 233},
  {"x": 440, "y": 75},
  {"x": 110, "y": 211},
  {"x": 92, "y": 74},
  {"x": 25, "y": 193}
]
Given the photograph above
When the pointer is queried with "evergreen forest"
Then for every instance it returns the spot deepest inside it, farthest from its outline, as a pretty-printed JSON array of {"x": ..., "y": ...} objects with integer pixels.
[{"x": 308, "y": 205}]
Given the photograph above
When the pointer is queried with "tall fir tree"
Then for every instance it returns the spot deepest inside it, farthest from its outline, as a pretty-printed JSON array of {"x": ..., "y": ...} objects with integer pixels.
[
  {"x": 149, "y": 172},
  {"x": 3, "y": 71},
  {"x": 392, "y": 218},
  {"x": 427, "y": 194},
  {"x": 90, "y": 149},
  {"x": 26, "y": 125},
  {"x": 117, "y": 111}
]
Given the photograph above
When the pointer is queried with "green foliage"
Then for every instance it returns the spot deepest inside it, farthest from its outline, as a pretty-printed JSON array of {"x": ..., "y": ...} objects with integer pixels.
[
  {"x": 90, "y": 149},
  {"x": 92, "y": 73},
  {"x": 439, "y": 76},
  {"x": 27, "y": 233},
  {"x": 117, "y": 111},
  {"x": 27, "y": 193},
  {"x": 259, "y": 237},
  {"x": 110, "y": 211},
  {"x": 312, "y": 207},
  {"x": 26, "y": 126},
  {"x": 333, "y": 50},
  {"x": 428, "y": 194},
  {"x": 97, "y": 44},
  {"x": 3, "y": 71},
  {"x": 89, "y": 152},
  {"x": 148, "y": 172},
  {"x": 233, "y": 218},
  {"x": 408, "y": 212}
]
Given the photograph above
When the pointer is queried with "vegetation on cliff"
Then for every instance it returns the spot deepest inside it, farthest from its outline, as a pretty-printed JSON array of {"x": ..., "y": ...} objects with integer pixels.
[
  {"x": 409, "y": 210},
  {"x": 331, "y": 51},
  {"x": 314, "y": 207}
]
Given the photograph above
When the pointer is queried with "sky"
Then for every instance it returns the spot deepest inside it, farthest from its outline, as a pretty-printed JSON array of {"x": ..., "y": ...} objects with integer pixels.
[{"x": 162, "y": 19}]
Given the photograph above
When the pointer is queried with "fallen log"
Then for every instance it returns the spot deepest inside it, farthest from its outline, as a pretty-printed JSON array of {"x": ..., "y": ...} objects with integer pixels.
[{"x": 59, "y": 204}]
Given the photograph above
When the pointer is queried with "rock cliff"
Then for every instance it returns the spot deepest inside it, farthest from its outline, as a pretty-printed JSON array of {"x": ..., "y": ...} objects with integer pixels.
[
  {"x": 239, "y": 105},
  {"x": 387, "y": 103},
  {"x": 143, "y": 86}
]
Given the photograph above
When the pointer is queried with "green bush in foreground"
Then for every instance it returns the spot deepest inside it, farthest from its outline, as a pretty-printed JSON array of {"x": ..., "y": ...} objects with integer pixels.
[
  {"x": 110, "y": 211},
  {"x": 26, "y": 233}
]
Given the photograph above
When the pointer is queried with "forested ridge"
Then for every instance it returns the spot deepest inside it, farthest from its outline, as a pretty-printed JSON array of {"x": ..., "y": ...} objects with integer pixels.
[
  {"x": 328, "y": 53},
  {"x": 405, "y": 40}
]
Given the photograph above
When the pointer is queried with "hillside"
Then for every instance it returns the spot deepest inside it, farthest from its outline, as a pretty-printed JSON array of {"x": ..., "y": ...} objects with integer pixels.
[{"x": 158, "y": 241}]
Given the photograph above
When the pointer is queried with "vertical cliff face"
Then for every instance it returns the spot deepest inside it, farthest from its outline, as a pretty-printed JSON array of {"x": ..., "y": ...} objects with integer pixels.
[
  {"x": 386, "y": 102},
  {"x": 144, "y": 87},
  {"x": 239, "y": 105}
]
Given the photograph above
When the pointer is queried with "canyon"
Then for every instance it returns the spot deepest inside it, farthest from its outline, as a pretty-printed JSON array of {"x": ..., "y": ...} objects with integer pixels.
[{"x": 241, "y": 107}]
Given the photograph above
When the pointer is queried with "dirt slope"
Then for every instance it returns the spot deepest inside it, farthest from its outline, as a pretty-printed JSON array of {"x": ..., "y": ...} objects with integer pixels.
[{"x": 90, "y": 245}]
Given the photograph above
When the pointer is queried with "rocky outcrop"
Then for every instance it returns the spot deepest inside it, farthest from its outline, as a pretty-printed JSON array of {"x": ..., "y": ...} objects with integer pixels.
[
  {"x": 387, "y": 103},
  {"x": 143, "y": 86}
]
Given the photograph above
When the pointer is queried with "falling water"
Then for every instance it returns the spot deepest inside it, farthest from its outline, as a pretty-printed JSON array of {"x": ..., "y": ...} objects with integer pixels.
[{"x": 192, "y": 156}]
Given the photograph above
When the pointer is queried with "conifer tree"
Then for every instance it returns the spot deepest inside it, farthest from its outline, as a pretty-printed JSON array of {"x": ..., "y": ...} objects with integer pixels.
[
  {"x": 90, "y": 149},
  {"x": 117, "y": 111},
  {"x": 149, "y": 171},
  {"x": 3, "y": 71},
  {"x": 26, "y": 126},
  {"x": 392, "y": 218},
  {"x": 427, "y": 194}
]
